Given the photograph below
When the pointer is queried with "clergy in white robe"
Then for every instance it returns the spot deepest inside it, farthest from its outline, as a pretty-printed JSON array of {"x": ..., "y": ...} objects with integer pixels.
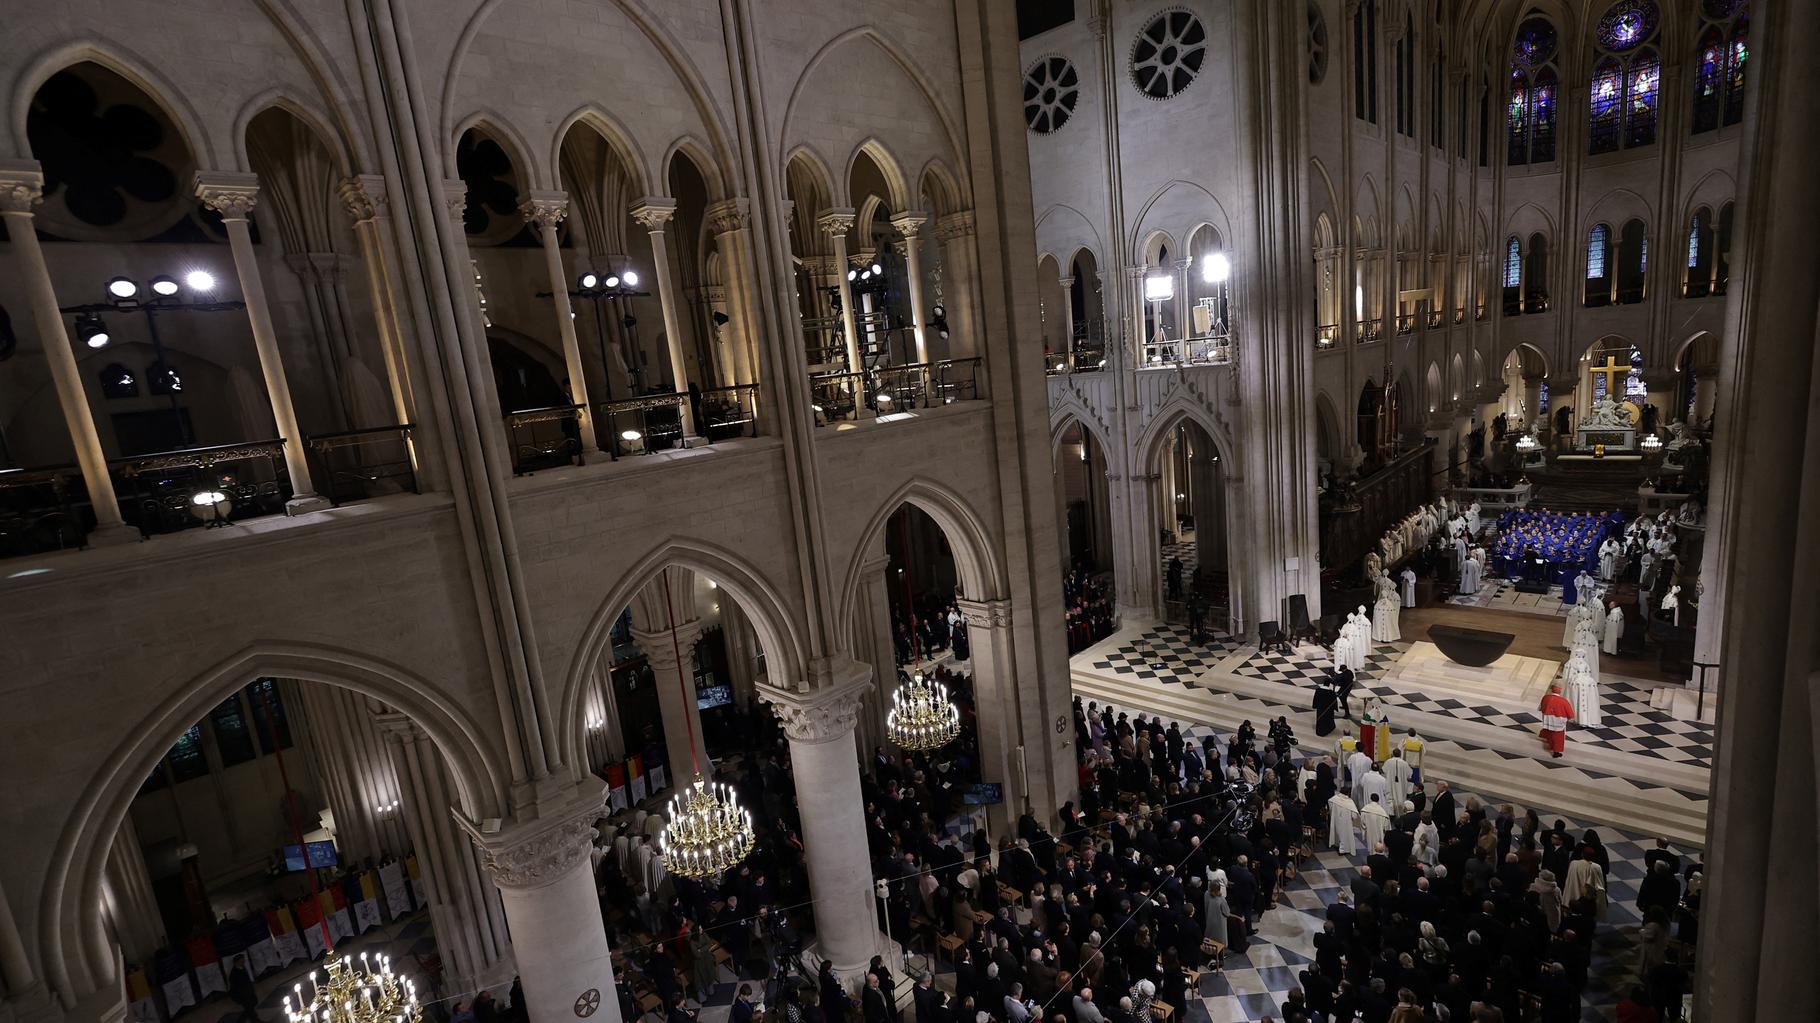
[
  {"x": 1614, "y": 629},
  {"x": 1472, "y": 518},
  {"x": 1358, "y": 765},
  {"x": 1472, "y": 572},
  {"x": 1384, "y": 615},
  {"x": 1376, "y": 787},
  {"x": 1608, "y": 557},
  {"x": 1398, "y": 773},
  {"x": 1582, "y": 690},
  {"x": 1584, "y": 587},
  {"x": 1342, "y": 652},
  {"x": 1361, "y": 639},
  {"x": 1409, "y": 587},
  {"x": 1460, "y": 552},
  {"x": 1575, "y": 615},
  {"x": 1586, "y": 643},
  {"x": 1374, "y": 820},
  {"x": 1342, "y": 818}
]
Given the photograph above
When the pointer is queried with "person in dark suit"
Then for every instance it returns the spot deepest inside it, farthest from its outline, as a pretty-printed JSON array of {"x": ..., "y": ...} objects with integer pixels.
[
  {"x": 679, "y": 1011},
  {"x": 875, "y": 1003},
  {"x": 1446, "y": 817},
  {"x": 741, "y": 1012}
]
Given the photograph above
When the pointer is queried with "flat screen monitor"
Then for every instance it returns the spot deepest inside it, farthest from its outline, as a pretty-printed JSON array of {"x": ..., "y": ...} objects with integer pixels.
[
  {"x": 709, "y": 697},
  {"x": 322, "y": 854}
]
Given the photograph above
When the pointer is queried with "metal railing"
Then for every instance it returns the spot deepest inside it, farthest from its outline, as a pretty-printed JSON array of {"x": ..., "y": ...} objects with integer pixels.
[
  {"x": 356, "y": 464},
  {"x": 1436, "y": 318},
  {"x": 956, "y": 380},
  {"x": 1194, "y": 351},
  {"x": 1326, "y": 336},
  {"x": 42, "y": 510},
  {"x": 543, "y": 438},
  {"x": 639, "y": 426},
  {"x": 887, "y": 389},
  {"x": 1406, "y": 322},
  {"x": 1371, "y": 329},
  {"x": 836, "y": 396},
  {"x": 727, "y": 412},
  {"x": 168, "y": 491}
]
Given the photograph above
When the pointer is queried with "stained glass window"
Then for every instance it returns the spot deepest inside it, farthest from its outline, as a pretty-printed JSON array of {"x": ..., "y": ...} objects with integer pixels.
[
  {"x": 1641, "y": 96},
  {"x": 1607, "y": 85},
  {"x": 1626, "y": 78},
  {"x": 1740, "y": 52},
  {"x": 1596, "y": 244},
  {"x": 1628, "y": 24},
  {"x": 1707, "y": 82},
  {"x": 1532, "y": 94},
  {"x": 1535, "y": 42},
  {"x": 1693, "y": 240},
  {"x": 232, "y": 738},
  {"x": 268, "y": 713},
  {"x": 1513, "y": 264},
  {"x": 186, "y": 757}
]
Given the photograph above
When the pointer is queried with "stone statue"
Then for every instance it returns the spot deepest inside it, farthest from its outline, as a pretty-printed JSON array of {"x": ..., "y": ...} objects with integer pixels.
[{"x": 1606, "y": 413}]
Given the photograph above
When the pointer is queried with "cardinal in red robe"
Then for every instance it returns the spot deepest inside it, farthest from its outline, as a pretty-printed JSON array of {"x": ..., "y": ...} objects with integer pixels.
[{"x": 1557, "y": 711}]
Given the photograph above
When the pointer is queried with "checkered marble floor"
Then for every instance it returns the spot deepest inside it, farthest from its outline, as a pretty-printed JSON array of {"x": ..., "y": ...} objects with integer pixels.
[
  {"x": 1253, "y": 984},
  {"x": 1166, "y": 654}
]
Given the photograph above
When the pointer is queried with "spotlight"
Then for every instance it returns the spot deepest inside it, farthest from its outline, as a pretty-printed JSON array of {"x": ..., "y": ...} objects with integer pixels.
[
  {"x": 1215, "y": 267},
  {"x": 122, "y": 288},
  {"x": 878, "y": 271},
  {"x": 212, "y": 507},
  {"x": 630, "y": 435},
  {"x": 865, "y": 275},
  {"x": 200, "y": 280},
  {"x": 612, "y": 281},
  {"x": 853, "y": 275},
  {"x": 1159, "y": 288},
  {"x": 589, "y": 281},
  {"x": 165, "y": 286},
  {"x": 938, "y": 319},
  {"x": 91, "y": 330},
  {"x": 631, "y": 278}
]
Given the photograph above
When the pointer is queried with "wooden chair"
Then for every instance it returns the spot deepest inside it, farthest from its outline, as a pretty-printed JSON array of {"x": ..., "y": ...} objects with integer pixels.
[
  {"x": 1194, "y": 978},
  {"x": 1006, "y": 893},
  {"x": 1214, "y": 951},
  {"x": 1299, "y": 625},
  {"x": 1161, "y": 1011},
  {"x": 1270, "y": 637}
]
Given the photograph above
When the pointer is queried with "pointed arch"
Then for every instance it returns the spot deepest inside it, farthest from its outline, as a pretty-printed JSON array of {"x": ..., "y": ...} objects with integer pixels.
[
  {"x": 888, "y": 167},
  {"x": 135, "y": 69},
  {"x": 331, "y": 139},
  {"x": 616, "y": 137},
  {"x": 939, "y": 184},
  {"x": 976, "y": 559},
  {"x": 898, "y": 56},
  {"x": 492, "y": 126}
]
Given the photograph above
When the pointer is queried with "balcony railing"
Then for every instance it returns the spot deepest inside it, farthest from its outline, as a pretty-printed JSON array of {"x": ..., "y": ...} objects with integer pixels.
[
  {"x": 42, "y": 510},
  {"x": 1194, "y": 351},
  {"x": 1371, "y": 329},
  {"x": 1406, "y": 322},
  {"x": 888, "y": 389},
  {"x": 728, "y": 412},
  {"x": 1326, "y": 336},
  {"x": 168, "y": 491},
  {"x": 1436, "y": 317},
  {"x": 639, "y": 426},
  {"x": 543, "y": 438},
  {"x": 363, "y": 463}
]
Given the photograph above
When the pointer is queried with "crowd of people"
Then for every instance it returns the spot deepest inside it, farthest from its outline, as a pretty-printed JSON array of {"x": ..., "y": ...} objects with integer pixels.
[
  {"x": 930, "y": 629},
  {"x": 1568, "y": 542},
  {"x": 1088, "y": 600}
]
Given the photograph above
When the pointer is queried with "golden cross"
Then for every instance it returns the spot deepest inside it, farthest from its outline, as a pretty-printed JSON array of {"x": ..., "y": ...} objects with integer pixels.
[{"x": 1612, "y": 368}]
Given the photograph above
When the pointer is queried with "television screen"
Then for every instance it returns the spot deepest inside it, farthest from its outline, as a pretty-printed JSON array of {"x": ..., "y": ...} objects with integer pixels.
[
  {"x": 709, "y": 697},
  {"x": 322, "y": 854}
]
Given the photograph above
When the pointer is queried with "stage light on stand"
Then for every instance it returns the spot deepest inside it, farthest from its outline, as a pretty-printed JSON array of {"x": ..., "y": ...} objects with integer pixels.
[
  {"x": 631, "y": 278},
  {"x": 122, "y": 288},
  {"x": 612, "y": 281},
  {"x": 1159, "y": 288},
  {"x": 211, "y": 507},
  {"x": 164, "y": 286},
  {"x": 199, "y": 280},
  {"x": 92, "y": 331},
  {"x": 588, "y": 281},
  {"x": 1215, "y": 268}
]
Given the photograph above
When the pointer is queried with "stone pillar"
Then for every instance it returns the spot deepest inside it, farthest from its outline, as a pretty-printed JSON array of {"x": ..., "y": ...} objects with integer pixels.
[
  {"x": 465, "y": 911},
  {"x": 955, "y": 233},
  {"x": 545, "y": 210},
  {"x": 654, "y": 214},
  {"x": 1184, "y": 306},
  {"x": 358, "y": 776},
  {"x": 232, "y": 195},
  {"x": 1067, "y": 284},
  {"x": 131, "y": 904},
  {"x": 664, "y": 603},
  {"x": 21, "y": 190},
  {"x": 1001, "y": 716},
  {"x": 605, "y": 742},
  {"x": 1136, "y": 275},
  {"x": 546, "y": 884},
  {"x": 908, "y": 225},
  {"x": 820, "y": 726},
  {"x": 727, "y": 220},
  {"x": 876, "y": 646},
  {"x": 835, "y": 224}
]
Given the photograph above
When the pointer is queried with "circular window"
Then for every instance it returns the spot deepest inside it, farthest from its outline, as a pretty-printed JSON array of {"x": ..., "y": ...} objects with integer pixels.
[
  {"x": 1317, "y": 44},
  {"x": 1051, "y": 89},
  {"x": 1168, "y": 54}
]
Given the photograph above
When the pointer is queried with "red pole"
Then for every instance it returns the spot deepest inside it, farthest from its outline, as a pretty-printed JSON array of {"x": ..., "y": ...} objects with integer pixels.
[{"x": 290, "y": 803}]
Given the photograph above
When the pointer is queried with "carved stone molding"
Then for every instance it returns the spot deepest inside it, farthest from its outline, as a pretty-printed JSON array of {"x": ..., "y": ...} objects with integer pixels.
[
  {"x": 455, "y": 196},
  {"x": 661, "y": 653},
  {"x": 824, "y": 715},
  {"x": 836, "y": 222},
  {"x": 364, "y": 196},
  {"x": 653, "y": 213},
  {"x": 21, "y": 186},
  {"x": 955, "y": 225},
  {"x": 545, "y": 209},
  {"x": 908, "y": 224},
  {"x": 231, "y": 195},
  {"x": 987, "y": 614},
  {"x": 538, "y": 854},
  {"x": 728, "y": 215}
]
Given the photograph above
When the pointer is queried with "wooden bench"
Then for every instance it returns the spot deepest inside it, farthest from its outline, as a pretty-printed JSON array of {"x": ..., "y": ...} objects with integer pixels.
[{"x": 649, "y": 1002}]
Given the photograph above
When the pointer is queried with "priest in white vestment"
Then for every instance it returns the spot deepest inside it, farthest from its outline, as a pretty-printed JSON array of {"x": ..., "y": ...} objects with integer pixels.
[
  {"x": 1374, "y": 820},
  {"x": 1586, "y": 645},
  {"x": 1358, "y": 765},
  {"x": 1575, "y": 615},
  {"x": 1614, "y": 629},
  {"x": 1361, "y": 639},
  {"x": 1398, "y": 773},
  {"x": 1608, "y": 557},
  {"x": 1409, "y": 587},
  {"x": 1582, "y": 690},
  {"x": 1376, "y": 787},
  {"x": 1342, "y": 652},
  {"x": 1472, "y": 518},
  {"x": 1384, "y": 615},
  {"x": 1342, "y": 818},
  {"x": 1472, "y": 572},
  {"x": 1428, "y": 842}
]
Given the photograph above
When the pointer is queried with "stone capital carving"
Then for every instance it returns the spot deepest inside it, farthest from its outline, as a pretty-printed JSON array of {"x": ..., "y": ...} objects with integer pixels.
[
  {"x": 399, "y": 728},
  {"x": 837, "y": 221},
  {"x": 986, "y": 614},
  {"x": 545, "y": 208},
  {"x": 1136, "y": 273},
  {"x": 908, "y": 224},
  {"x": 729, "y": 215},
  {"x": 543, "y": 851},
  {"x": 955, "y": 225},
  {"x": 824, "y": 715},
  {"x": 21, "y": 186},
  {"x": 653, "y": 212},
  {"x": 364, "y": 196},
  {"x": 229, "y": 194},
  {"x": 661, "y": 653},
  {"x": 455, "y": 196},
  {"x": 1065, "y": 282},
  {"x": 789, "y": 208}
]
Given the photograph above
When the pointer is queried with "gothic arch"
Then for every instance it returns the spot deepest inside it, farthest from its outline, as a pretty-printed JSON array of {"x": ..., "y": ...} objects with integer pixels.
[
  {"x": 1071, "y": 414},
  {"x": 1615, "y": 207},
  {"x": 766, "y": 606},
  {"x": 1173, "y": 413},
  {"x": 1063, "y": 227},
  {"x": 1152, "y": 214},
  {"x": 942, "y": 188},
  {"x": 888, "y": 166},
  {"x": 952, "y": 136},
  {"x": 975, "y": 556},
  {"x": 615, "y": 135},
  {"x": 128, "y": 65},
  {"x": 78, "y": 953},
  {"x": 691, "y": 148},
  {"x": 331, "y": 139},
  {"x": 491, "y": 125}
]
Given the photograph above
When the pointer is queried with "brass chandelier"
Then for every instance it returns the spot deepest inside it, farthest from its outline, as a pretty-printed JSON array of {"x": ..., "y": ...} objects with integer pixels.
[
  {"x": 922, "y": 717},
  {"x": 365, "y": 995},
  {"x": 707, "y": 832}
]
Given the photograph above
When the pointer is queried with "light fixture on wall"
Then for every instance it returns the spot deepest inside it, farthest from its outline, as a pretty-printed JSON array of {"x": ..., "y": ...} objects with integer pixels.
[{"x": 707, "y": 833}]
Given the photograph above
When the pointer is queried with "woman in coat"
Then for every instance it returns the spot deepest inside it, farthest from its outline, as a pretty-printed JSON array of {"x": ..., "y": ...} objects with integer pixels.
[{"x": 1215, "y": 912}]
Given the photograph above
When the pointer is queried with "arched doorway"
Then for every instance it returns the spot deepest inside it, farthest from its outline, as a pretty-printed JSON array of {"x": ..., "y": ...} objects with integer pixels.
[{"x": 1190, "y": 506}]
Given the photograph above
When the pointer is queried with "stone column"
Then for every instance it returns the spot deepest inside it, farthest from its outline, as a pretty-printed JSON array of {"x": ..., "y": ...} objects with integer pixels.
[
  {"x": 232, "y": 195},
  {"x": 956, "y": 234},
  {"x": 727, "y": 220},
  {"x": 1067, "y": 284},
  {"x": 358, "y": 776},
  {"x": 545, "y": 210},
  {"x": 996, "y": 695},
  {"x": 876, "y": 646},
  {"x": 1184, "y": 306},
  {"x": 21, "y": 190},
  {"x": 131, "y": 903},
  {"x": 836, "y": 224},
  {"x": 546, "y": 884},
  {"x": 820, "y": 726},
  {"x": 465, "y": 911},
  {"x": 908, "y": 225},
  {"x": 654, "y": 214},
  {"x": 664, "y": 603},
  {"x": 1136, "y": 275}
]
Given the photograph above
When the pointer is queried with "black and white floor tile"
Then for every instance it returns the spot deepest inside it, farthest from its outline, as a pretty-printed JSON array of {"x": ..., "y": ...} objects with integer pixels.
[{"x": 1167, "y": 653}]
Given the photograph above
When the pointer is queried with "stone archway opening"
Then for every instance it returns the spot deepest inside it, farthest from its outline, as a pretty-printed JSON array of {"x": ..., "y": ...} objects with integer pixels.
[
  {"x": 1189, "y": 502},
  {"x": 1084, "y": 506}
]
